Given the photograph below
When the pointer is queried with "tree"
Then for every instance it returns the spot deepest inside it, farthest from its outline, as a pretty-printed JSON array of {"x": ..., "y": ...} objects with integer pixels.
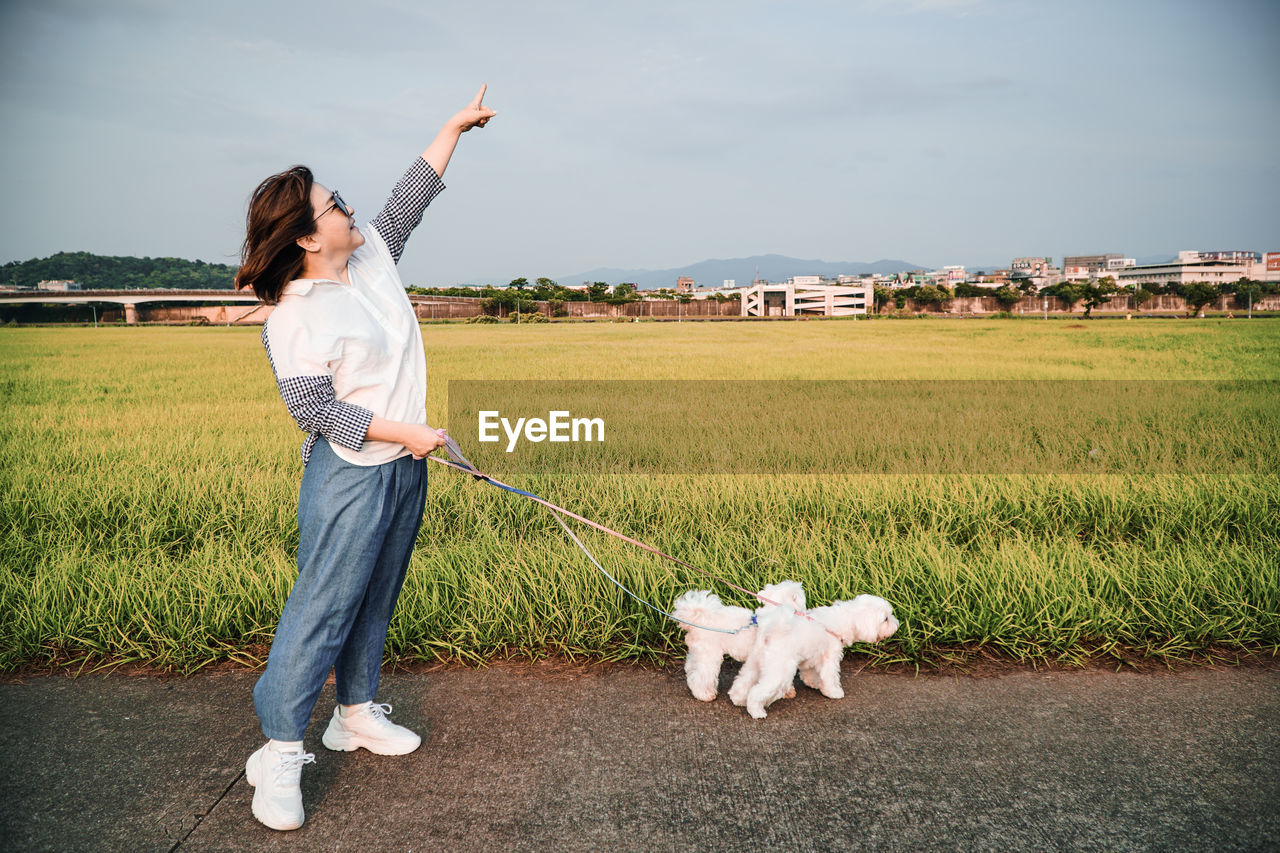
[
  {"x": 519, "y": 284},
  {"x": 882, "y": 296},
  {"x": 1199, "y": 294},
  {"x": 1008, "y": 297},
  {"x": 1097, "y": 292},
  {"x": 930, "y": 295},
  {"x": 1141, "y": 297},
  {"x": 597, "y": 291},
  {"x": 546, "y": 289},
  {"x": 1069, "y": 292},
  {"x": 100, "y": 272},
  {"x": 622, "y": 294},
  {"x": 1247, "y": 293}
]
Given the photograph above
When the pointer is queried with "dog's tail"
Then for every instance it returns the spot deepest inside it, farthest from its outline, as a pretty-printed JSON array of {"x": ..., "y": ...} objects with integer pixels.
[
  {"x": 696, "y": 606},
  {"x": 789, "y": 593}
]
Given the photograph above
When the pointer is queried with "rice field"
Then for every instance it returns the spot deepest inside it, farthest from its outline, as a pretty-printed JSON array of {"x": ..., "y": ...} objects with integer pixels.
[{"x": 148, "y": 484}]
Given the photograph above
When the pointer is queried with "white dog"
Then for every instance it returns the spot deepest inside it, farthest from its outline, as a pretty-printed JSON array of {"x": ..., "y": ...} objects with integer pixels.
[
  {"x": 787, "y": 642},
  {"x": 708, "y": 648}
]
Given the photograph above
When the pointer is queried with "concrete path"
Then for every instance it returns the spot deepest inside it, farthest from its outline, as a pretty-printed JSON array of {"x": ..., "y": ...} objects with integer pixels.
[{"x": 528, "y": 758}]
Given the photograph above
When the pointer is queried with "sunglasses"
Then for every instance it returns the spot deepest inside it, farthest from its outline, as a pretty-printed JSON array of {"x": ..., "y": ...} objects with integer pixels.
[{"x": 338, "y": 203}]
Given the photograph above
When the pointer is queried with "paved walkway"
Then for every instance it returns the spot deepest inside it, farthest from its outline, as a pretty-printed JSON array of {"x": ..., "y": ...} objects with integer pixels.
[{"x": 522, "y": 758}]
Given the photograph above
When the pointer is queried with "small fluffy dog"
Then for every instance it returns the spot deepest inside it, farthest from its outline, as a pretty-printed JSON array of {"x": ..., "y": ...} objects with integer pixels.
[
  {"x": 708, "y": 648},
  {"x": 786, "y": 642}
]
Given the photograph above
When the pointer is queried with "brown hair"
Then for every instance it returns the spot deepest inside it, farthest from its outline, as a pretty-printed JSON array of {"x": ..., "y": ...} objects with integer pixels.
[{"x": 279, "y": 215}]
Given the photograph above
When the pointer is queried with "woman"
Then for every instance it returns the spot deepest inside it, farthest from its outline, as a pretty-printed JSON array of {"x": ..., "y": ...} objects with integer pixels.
[{"x": 347, "y": 353}]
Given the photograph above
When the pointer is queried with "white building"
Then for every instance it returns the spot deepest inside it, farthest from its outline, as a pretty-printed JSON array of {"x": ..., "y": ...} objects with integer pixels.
[
  {"x": 805, "y": 295},
  {"x": 1211, "y": 267},
  {"x": 1111, "y": 266}
]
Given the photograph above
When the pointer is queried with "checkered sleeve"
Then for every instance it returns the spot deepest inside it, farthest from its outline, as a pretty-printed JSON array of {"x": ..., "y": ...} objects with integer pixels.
[
  {"x": 403, "y": 211},
  {"x": 311, "y": 401}
]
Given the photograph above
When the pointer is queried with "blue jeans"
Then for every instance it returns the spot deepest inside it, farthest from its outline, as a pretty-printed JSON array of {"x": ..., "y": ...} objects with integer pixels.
[{"x": 356, "y": 527}]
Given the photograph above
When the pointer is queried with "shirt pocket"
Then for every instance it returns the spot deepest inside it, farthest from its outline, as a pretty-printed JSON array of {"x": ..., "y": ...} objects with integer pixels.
[{"x": 364, "y": 363}]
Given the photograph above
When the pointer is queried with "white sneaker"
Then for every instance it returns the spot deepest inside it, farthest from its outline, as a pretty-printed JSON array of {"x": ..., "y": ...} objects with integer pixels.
[
  {"x": 275, "y": 777},
  {"x": 369, "y": 727}
]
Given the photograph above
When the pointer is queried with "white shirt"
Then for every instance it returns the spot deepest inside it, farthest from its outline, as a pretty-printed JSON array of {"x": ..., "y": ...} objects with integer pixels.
[
  {"x": 343, "y": 353},
  {"x": 364, "y": 336}
]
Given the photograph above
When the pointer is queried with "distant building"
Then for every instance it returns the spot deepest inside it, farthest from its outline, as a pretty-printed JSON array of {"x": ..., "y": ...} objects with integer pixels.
[
  {"x": 1235, "y": 255},
  {"x": 1076, "y": 267},
  {"x": 1108, "y": 267},
  {"x": 805, "y": 295},
  {"x": 1039, "y": 272},
  {"x": 1030, "y": 266},
  {"x": 684, "y": 284},
  {"x": 708, "y": 292},
  {"x": 1088, "y": 263},
  {"x": 900, "y": 279},
  {"x": 996, "y": 277},
  {"x": 1211, "y": 267},
  {"x": 61, "y": 285}
]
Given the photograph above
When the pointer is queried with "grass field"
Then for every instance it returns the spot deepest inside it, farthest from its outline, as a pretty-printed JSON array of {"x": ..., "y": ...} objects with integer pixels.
[{"x": 148, "y": 483}]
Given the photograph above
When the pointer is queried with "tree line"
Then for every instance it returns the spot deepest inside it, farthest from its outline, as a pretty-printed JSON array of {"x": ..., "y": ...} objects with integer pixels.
[
  {"x": 521, "y": 296},
  {"x": 104, "y": 272},
  {"x": 1091, "y": 292}
]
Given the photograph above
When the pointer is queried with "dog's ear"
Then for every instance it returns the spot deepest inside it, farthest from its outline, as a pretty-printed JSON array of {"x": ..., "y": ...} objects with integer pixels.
[{"x": 868, "y": 616}]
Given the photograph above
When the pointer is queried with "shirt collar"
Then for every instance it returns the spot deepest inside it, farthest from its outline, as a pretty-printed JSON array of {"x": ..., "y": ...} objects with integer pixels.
[{"x": 302, "y": 286}]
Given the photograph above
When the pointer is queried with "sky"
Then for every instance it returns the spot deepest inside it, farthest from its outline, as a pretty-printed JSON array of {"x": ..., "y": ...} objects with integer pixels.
[{"x": 652, "y": 135}]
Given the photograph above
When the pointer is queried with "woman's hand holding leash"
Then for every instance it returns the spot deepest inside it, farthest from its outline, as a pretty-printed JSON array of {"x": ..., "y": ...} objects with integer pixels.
[{"x": 420, "y": 440}]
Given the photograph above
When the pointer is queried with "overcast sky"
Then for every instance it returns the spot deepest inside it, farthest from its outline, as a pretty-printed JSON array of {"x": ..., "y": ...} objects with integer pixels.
[{"x": 652, "y": 134}]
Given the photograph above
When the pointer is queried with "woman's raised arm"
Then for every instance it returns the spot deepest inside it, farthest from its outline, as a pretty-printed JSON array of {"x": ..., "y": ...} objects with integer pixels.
[
  {"x": 475, "y": 114},
  {"x": 415, "y": 190}
]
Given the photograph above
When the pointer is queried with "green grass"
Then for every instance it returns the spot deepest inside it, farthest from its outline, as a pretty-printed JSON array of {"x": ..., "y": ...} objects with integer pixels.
[{"x": 148, "y": 484}]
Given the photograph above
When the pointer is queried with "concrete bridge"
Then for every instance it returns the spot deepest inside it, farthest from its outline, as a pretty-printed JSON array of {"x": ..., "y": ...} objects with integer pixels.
[
  {"x": 130, "y": 299},
  {"x": 426, "y": 307}
]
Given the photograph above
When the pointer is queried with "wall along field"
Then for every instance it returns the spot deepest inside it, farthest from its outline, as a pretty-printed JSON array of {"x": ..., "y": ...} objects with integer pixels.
[{"x": 148, "y": 485}]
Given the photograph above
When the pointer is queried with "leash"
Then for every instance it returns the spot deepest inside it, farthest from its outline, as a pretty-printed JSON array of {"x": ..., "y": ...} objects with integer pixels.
[{"x": 460, "y": 463}]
